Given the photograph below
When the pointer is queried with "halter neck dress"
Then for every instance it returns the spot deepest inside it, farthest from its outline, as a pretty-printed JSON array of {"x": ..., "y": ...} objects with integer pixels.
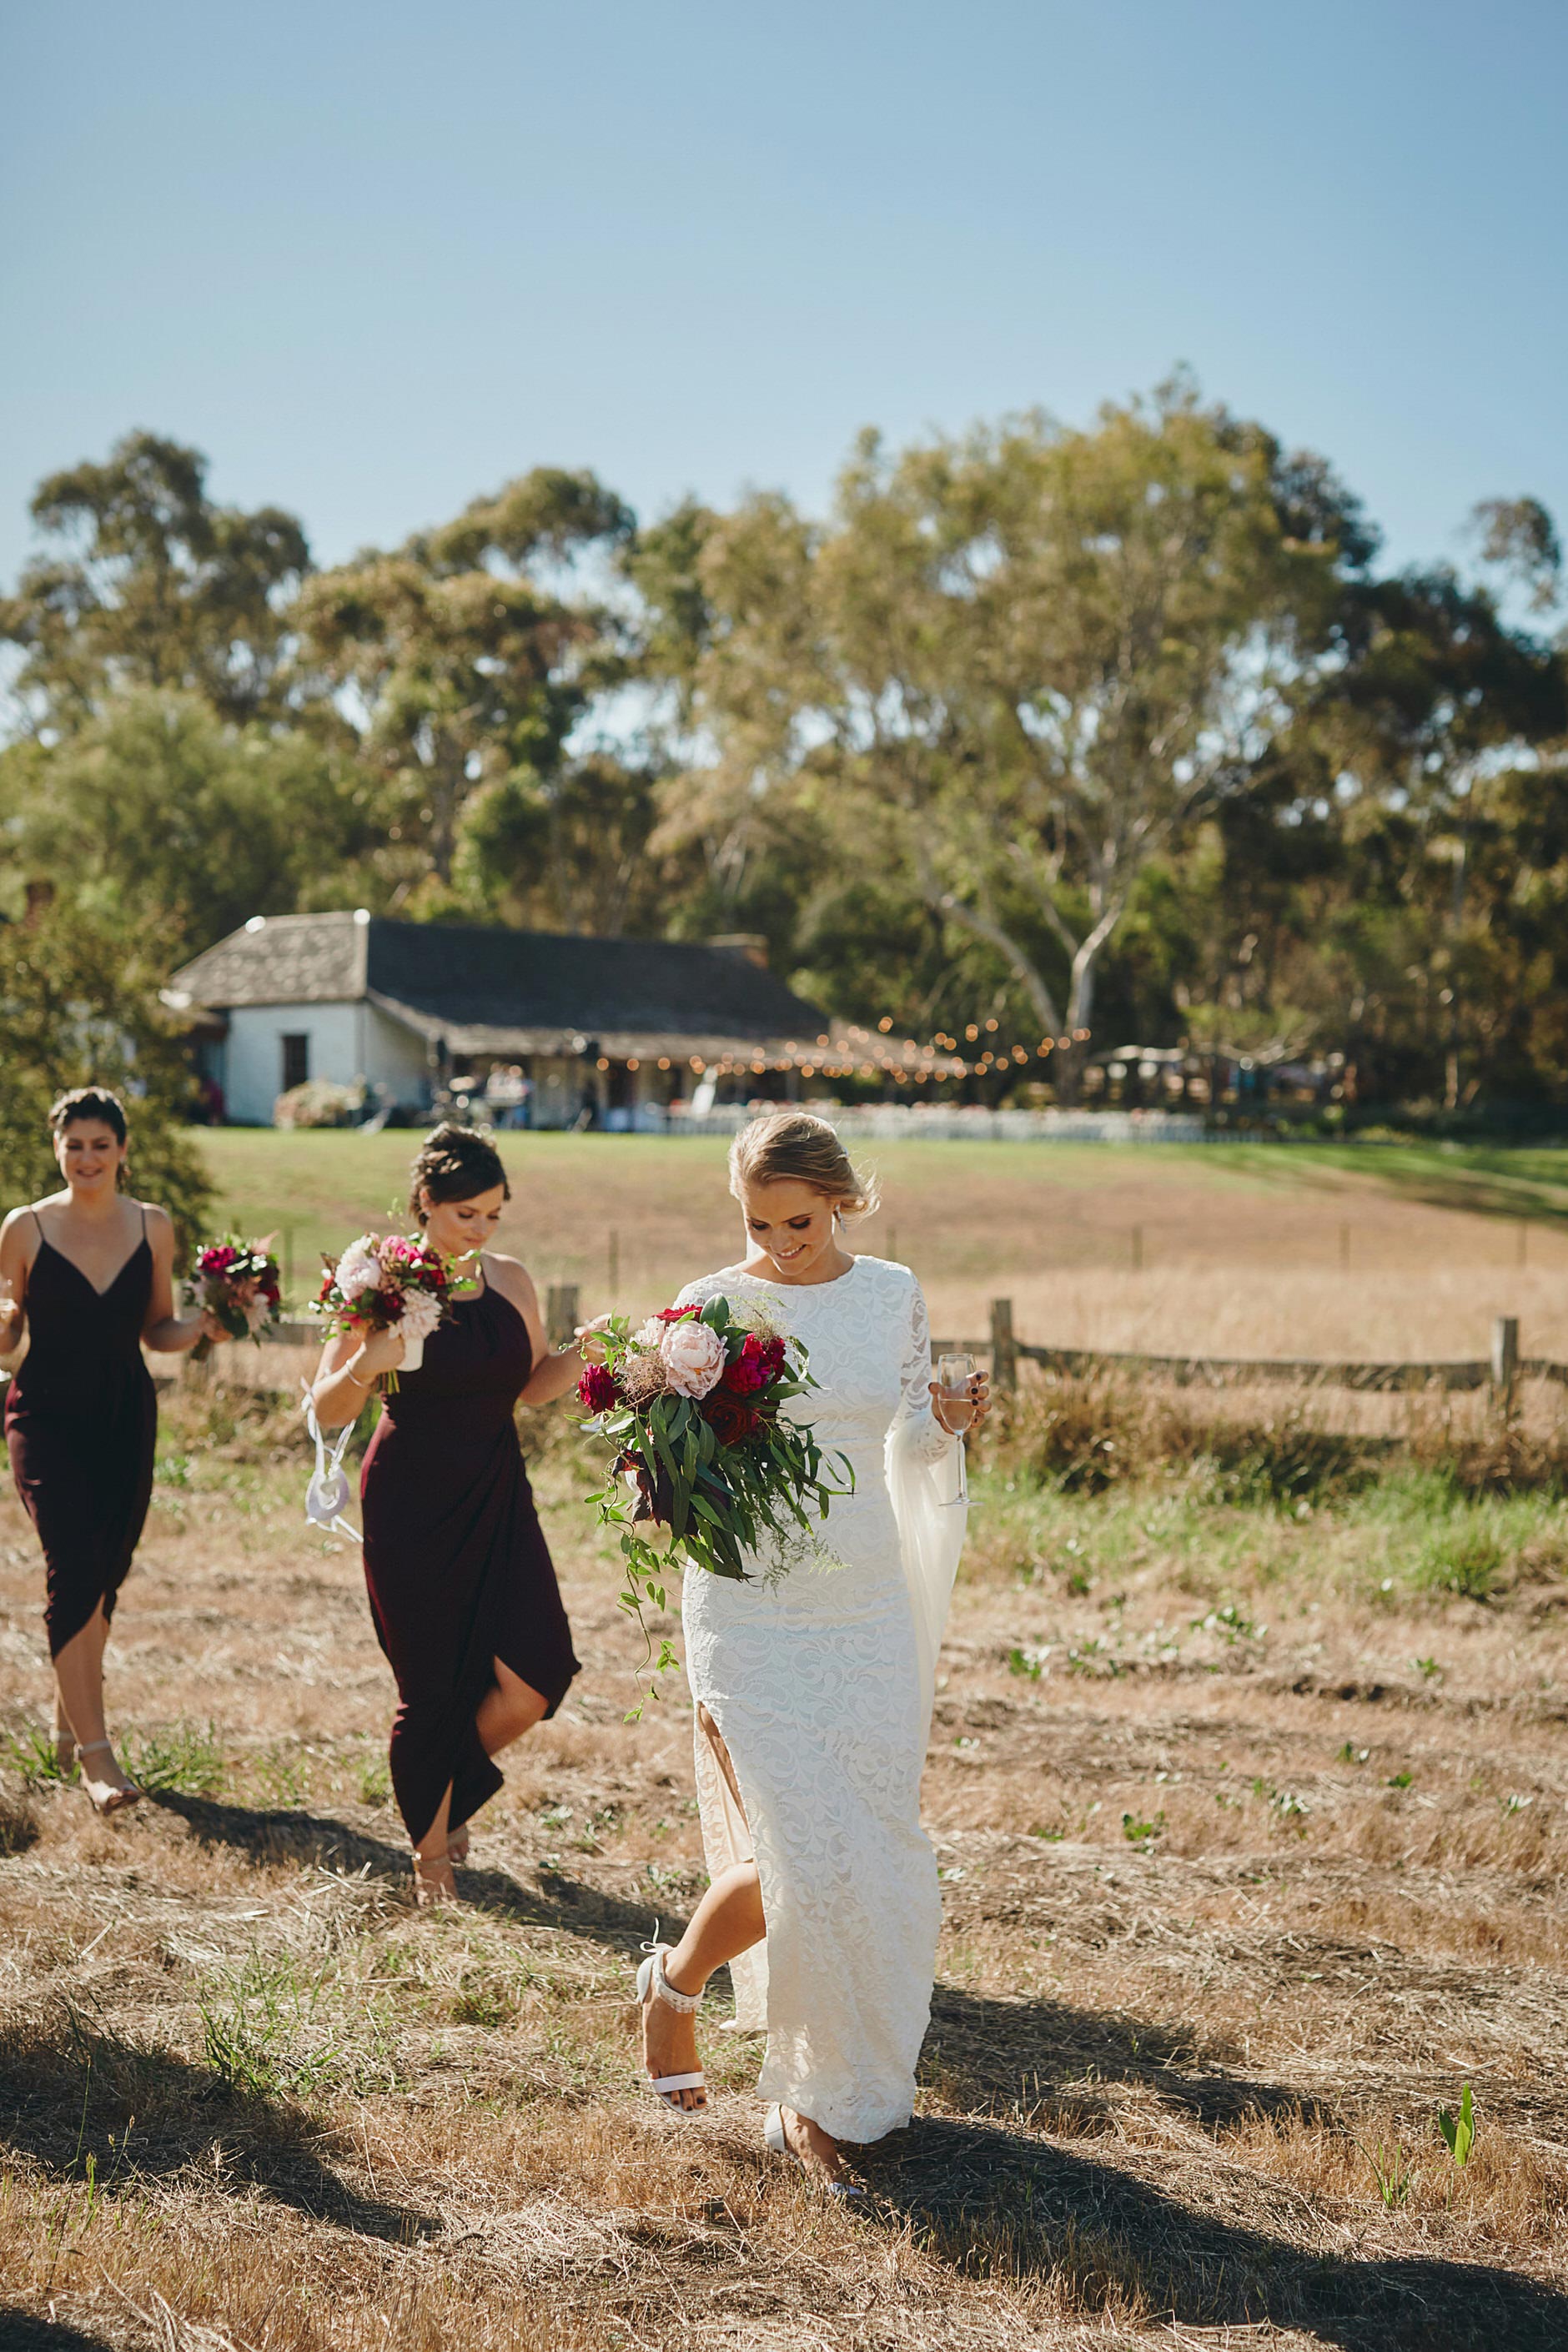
[
  {"x": 456, "y": 1562},
  {"x": 81, "y": 1421}
]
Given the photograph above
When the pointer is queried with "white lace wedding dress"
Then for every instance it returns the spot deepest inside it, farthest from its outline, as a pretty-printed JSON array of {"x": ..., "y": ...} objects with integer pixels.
[{"x": 820, "y": 1682}]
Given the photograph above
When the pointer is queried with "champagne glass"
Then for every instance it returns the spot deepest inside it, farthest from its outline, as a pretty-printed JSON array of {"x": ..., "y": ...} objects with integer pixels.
[{"x": 954, "y": 1374}]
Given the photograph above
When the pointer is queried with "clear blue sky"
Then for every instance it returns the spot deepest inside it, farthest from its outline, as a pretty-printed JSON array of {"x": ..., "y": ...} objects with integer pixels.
[{"x": 375, "y": 257}]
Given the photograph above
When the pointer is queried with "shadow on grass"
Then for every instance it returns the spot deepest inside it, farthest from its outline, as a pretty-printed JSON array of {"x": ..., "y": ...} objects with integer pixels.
[
  {"x": 992, "y": 2203},
  {"x": 288, "y": 1835},
  {"x": 70, "y": 2090},
  {"x": 1479, "y": 1180},
  {"x": 23, "y": 2331},
  {"x": 1058, "y": 2065}
]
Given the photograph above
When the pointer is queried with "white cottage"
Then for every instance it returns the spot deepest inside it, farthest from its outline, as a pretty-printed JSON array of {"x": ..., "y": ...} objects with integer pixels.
[{"x": 411, "y": 1008}]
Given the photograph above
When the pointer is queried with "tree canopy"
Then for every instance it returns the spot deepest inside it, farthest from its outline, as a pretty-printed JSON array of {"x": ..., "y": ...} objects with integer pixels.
[{"x": 1095, "y": 734}]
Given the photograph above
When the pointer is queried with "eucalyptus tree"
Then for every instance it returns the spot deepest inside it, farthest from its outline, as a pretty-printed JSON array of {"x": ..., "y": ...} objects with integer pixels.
[
  {"x": 471, "y": 652},
  {"x": 1019, "y": 668},
  {"x": 146, "y": 582},
  {"x": 1433, "y": 734}
]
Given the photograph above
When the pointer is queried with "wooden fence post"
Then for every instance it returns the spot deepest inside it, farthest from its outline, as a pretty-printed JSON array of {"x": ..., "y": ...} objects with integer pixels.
[
  {"x": 1505, "y": 1360},
  {"x": 562, "y": 1314},
  {"x": 1004, "y": 1346}
]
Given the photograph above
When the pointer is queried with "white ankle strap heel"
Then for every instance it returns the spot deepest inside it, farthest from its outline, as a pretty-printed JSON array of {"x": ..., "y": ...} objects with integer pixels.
[{"x": 652, "y": 1981}]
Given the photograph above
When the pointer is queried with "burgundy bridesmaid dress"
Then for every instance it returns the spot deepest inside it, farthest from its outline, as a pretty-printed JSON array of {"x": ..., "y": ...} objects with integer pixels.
[
  {"x": 455, "y": 1560},
  {"x": 82, "y": 1420}
]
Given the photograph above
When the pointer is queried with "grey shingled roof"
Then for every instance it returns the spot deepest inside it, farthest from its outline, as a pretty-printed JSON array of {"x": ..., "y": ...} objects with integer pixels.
[{"x": 500, "y": 991}]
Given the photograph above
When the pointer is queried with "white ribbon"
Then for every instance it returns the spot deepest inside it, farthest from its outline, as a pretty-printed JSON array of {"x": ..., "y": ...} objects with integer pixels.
[{"x": 329, "y": 1488}]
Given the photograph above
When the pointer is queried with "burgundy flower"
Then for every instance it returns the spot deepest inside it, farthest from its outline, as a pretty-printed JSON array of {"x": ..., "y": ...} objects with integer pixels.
[
  {"x": 730, "y": 1418},
  {"x": 597, "y": 1388},
  {"x": 759, "y": 1361}
]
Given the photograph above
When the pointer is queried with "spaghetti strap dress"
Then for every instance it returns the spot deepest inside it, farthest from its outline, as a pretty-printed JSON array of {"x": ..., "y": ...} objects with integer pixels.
[
  {"x": 81, "y": 1421},
  {"x": 456, "y": 1562}
]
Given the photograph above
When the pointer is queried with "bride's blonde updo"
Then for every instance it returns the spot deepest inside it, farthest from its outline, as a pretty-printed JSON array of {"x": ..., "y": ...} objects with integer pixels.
[{"x": 791, "y": 1147}]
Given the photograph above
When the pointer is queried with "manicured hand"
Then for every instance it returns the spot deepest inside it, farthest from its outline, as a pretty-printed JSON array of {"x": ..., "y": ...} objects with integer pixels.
[{"x": 980, "y": 1402}]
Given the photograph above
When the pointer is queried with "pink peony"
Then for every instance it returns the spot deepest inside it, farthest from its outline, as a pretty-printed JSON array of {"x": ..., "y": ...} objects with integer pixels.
[
  {"x": 359, "y": 1268},
  {"x": 597, "y": 1389},
  {"x": 421, "y": 1315},
  {"x": 692, "y": 1356}
]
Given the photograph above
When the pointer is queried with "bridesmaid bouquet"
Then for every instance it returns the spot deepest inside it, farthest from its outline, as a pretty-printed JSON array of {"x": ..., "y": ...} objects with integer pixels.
[
  {"x": 237, "y": 1282},
  {"x": 385, "y": 1281},
  {"x": 691, "y": 1403}
]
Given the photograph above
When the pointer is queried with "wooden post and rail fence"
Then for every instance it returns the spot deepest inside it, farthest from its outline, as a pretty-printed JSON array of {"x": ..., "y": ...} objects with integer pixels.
[{"x": 1501, "y": 1374}]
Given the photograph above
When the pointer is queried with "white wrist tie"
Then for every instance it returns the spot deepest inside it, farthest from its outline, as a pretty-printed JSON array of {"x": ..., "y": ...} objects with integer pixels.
[{"x": 329, "y": 1488}]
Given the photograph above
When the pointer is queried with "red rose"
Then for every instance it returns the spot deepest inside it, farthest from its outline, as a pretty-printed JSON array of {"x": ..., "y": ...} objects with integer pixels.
[
  {"x": 759, "y": 1361},
  {"x": 674, "y": 1314},
  {"x": 597, "y": 1388},
  {"x": 728, "y": 1418}
]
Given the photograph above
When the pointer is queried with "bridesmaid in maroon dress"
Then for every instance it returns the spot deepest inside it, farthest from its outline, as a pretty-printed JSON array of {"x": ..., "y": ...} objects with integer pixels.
[
  {"x": 89, "y": 1274},
  {"x": 462, "y": 1591}
]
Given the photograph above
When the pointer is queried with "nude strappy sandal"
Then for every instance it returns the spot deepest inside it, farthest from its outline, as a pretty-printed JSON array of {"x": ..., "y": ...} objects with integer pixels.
[
  {"x": 117, "y": 1800},
  {"x": 433, "y": 1883},
  {"x": 652, "y": 1978},
  {"x": 773, "y": 2138}
]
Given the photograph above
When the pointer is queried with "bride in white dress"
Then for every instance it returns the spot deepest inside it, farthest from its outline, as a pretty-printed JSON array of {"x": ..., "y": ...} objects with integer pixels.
[{"x": 813, "y": 1692}]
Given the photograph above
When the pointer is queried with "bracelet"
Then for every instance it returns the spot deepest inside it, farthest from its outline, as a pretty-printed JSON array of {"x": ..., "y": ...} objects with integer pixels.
[{"x": 354, "y": 1376}]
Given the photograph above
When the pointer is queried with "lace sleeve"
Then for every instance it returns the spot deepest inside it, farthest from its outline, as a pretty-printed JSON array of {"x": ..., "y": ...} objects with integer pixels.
[{"x": 915, "y": 1423}]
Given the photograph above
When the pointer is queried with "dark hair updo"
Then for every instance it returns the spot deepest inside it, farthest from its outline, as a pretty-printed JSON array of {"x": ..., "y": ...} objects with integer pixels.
[
  {"x": 88, "y": 1102},
  {"x": 453, "y": 1163}
]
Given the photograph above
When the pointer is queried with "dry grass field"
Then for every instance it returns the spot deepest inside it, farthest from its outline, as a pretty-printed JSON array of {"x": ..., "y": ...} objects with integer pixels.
[
  {"x": 1248, "y": 1784},
  {"x": 1296, "y": 1249}
]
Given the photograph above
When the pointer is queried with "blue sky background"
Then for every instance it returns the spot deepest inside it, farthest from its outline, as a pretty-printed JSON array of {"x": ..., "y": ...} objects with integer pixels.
[{"x": 375, "y": 258}]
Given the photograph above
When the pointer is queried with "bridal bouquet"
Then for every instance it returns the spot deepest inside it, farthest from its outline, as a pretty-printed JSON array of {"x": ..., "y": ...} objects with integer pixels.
[
  {"x": 387, "y": 1282},
  {"x": 691, "y": 1403},
  {"x": 237, "y": 1282}
]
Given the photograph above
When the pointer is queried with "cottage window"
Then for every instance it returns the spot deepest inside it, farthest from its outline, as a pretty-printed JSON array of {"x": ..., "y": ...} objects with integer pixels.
[{"x": 296, "y": 1047}]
